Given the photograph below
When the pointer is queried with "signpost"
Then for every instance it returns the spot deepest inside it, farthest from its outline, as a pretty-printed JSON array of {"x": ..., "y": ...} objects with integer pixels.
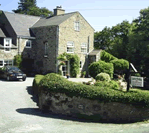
[{"x": 137, "y": 81}]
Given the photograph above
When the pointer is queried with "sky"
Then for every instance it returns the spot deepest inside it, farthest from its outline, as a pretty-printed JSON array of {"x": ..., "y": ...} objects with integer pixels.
[{"x": 99, "y": 13}]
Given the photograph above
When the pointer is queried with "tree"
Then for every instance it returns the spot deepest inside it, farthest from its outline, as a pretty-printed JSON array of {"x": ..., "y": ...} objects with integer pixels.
[
  {"x": 29, "y": 7},
  {"x": 103, "y": 38}
]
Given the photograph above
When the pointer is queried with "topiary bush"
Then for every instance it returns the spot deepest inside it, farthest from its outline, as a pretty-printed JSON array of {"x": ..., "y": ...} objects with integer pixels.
[
  {"x": 120, "y": 65},
  {"x": 105, "y": 56},
  {"x": 100, "y": 66},
  {"x": 103, "y": 77}
]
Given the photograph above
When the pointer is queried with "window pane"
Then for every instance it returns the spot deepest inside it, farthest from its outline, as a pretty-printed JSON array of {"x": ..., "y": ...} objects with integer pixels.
[
  {"x": 7, "y": 49},
  {"x": 1, "y": 63},
  {"x": 70, "y": 49}
]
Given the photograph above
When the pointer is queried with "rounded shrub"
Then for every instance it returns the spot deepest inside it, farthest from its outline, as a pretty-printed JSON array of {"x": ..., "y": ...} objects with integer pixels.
[
  {"x": 100, "y": 66},
  {"x": 103, "y": 77},
  {"x": 120, "y": 65},
  {"x": 105, "y": 56}
]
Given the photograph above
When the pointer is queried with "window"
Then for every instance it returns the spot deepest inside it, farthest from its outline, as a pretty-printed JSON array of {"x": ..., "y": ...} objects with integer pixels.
[
  {"x": 77, "y": 26},
  {"x": 80, "y": 64},
  {"x": 83, "y": 48},
  {"x": 1, "y": 63},
  {"x": 7, "y": 44},
  {"x": 28, "y": 44},
  {"x": 46, "y": 49},
  {"x": 8, "y": 62},
  {"x": 70, "y": 47}
]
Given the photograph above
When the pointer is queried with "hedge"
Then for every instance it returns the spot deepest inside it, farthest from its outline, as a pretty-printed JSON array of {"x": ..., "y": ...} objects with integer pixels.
[
  {"x": 120, "y": 65},
  {"x": 56, "y": 83},
  {"x": 105, "y": 56},
  {"x": 36, "y": 83},
  {"x": 100, "y": 66}
]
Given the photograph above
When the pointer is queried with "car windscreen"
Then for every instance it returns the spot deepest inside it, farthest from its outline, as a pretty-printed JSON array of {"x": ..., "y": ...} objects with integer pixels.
[{"x": 13, "y": 69}]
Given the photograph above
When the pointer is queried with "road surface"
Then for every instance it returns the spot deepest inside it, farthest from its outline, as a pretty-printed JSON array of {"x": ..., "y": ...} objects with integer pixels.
[{"x": 19, "y": 114}]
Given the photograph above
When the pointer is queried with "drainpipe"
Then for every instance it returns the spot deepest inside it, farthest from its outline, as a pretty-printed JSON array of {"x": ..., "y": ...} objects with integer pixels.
[
  {"x": 57, "y": 47},
  {"x": 19, "y": 47}
]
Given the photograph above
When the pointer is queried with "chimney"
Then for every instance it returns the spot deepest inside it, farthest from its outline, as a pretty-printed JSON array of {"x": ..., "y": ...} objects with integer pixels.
[{"x": 58, "y": 11}]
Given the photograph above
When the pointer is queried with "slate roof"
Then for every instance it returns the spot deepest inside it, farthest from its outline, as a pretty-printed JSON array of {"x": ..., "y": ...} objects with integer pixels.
[
  {"x": 21, "y": 23},
  {"x": 55, "y": 20},
  {"x": 2, "y": 33},
  {"x": 94, "y": 52}
]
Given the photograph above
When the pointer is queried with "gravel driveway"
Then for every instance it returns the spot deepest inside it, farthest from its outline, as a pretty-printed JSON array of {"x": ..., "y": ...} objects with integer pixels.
[{"x": 19, "y": 114}]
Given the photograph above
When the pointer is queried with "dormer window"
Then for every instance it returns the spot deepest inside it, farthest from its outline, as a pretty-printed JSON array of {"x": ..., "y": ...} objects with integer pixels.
[
  {"x": 7, "y": 44},
  {"x": 28, "y": 44},
  {"x": 77, "y": 26}
]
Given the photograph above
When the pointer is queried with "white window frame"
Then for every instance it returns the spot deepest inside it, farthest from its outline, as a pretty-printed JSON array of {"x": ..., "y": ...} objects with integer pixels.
[
  {"x": 7, "y": 46},
  {"x": 27, "y": 42},
  {"x": 4, "y": 63},
  {"x": 8, "y": 62},
  {"x": 70, "y": 45},
  {"x": 84, "y": 46},
  {"x": 77, "y": 26}
]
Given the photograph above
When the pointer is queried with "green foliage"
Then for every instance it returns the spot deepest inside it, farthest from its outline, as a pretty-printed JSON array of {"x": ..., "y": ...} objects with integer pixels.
[
  {"x": 74, "y": 63},
  {"x": 120, "y": 65},
  {"x": 29, "y": 7},
  {"x": 103, "y": 77},
  {"x": 105, "y": 56},
  {"x": 103, "y": 92},
  {"x": 36, "y": 81},
  {"x": 111, "y": 84},
  {"x": 18, "y": 61},
  {"x": 100, "y": 66}
]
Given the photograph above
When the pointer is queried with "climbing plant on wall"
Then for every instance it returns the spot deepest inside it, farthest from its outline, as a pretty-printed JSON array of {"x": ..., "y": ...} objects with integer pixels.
[{"x": 74, "y": 63}]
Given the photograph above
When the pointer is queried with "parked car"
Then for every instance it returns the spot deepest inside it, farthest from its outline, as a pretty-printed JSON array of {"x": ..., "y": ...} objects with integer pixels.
[{"x": 12, "y": 73}]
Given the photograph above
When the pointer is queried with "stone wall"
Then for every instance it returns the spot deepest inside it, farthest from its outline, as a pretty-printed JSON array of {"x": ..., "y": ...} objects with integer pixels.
[
  {"x": 45, "y": 63},
  {"x": 67, "y": 33},
  {"x": 59, "y": 103}
]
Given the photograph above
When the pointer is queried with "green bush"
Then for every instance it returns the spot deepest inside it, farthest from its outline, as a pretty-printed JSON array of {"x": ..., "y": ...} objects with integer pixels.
[
  {"x": 106, "y": 92},
  {"x": 111, "y": 84},
  {"x": 100, "y": 66},
  {"x": 36, "y": 83},
  {"x": 120, "y": 65},
  {"x": 105, "y": 56},
  {"x": 18, "y": 61},
  {"x": 103, "y": 77}
]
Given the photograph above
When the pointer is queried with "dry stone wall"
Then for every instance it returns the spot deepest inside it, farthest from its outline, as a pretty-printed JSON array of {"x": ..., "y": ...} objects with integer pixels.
[{"x": 59, "y": 103}]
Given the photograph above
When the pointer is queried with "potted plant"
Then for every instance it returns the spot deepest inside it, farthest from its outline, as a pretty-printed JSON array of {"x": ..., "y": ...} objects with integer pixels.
[
  {"x": 68, "y": 76},
  {"x": 62, "y": 63}
]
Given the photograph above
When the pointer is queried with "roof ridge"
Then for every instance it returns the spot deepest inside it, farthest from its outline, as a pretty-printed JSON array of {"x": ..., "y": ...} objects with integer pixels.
[{"x": 21, "y": 14}]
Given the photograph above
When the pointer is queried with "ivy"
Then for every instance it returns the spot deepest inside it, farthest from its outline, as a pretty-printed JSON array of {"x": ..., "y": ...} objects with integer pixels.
[
  {"x": 18, "y": 61},
  {"x": 74, "y": 63}
]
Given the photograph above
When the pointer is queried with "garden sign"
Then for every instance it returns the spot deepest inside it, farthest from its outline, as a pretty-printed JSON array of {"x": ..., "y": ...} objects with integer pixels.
[{"x": 137, "y": 81}]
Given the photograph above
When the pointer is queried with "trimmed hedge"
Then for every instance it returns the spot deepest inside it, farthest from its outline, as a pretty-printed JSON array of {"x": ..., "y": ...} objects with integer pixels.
[
  {"x": 105, "y": 56},
  {"x": 36, "y": 83},
  {"x": 100, "y": 66},
  {"x": 103, "y": 77},
  {"x": 56, "y": 83},
  {"x": 120, "y": 65}
]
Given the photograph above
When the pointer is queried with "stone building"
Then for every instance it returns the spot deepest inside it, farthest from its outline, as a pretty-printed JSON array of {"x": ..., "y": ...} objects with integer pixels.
[{"x": 41, "y": 40}]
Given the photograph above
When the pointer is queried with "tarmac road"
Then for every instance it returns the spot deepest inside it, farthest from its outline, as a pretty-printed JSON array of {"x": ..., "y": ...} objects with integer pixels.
[{"x": 19, "y": 114}]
